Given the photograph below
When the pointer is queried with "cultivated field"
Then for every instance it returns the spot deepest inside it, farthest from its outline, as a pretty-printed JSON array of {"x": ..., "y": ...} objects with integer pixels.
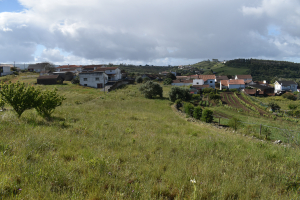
[{"x": 122, "y": 146}]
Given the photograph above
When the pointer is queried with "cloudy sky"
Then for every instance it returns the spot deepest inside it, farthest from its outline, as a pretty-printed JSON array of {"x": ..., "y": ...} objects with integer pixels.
[{"x": 159, "y": 32}]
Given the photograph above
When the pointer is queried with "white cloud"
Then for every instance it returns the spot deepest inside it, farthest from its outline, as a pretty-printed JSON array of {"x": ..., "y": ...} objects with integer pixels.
[
  {"x": 165, "y": 31},
  {"x": 6, "y": 29}
]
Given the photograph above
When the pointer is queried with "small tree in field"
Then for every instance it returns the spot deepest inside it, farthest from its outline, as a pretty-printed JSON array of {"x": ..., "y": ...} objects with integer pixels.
[
  {"x": 197, "y": 112},
  {"x": 47, "y": 101},
  {"x": 139, "y": 79},
  {"x": 151, "y": 89},
  {"x": 179, "y": 93},
  {"x": 188, "y": 108},
  {"x": 234, "y": 123},
  {"x": 19, "y": 96},
  {"x": 2, "y": 103},
  {"x": 207, "y": 116},
  {"x": 168, "y": 81}
]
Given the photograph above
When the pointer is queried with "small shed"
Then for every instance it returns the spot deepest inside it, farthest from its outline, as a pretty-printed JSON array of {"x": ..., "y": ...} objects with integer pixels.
[
  {"x": 50, "y": 80},
  {"x": 66, "y": 75}
]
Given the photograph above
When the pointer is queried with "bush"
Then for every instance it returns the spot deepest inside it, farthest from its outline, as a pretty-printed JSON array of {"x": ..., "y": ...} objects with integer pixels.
[
  {"x": 207, "y": 116},
  {"x": 207, "y": 90},
  {"x": 274, "y": 106},
  {"x": 188, "y": 108},
  {"x": 289, "y": 96},
  {"x": 234, "y": 123},
  {"x": 179, "y": 93},
  {"x": 296, "y": 113},
  {"x": 214, "y": 96},
  {"x": 197, "y": 112},
  {"x": 196, "y": 97},
  {"x": 292, "y": 106},
  {"x": 168, "y": 81},
  {"x": 233, "y": 90},
  {"x": 146, "y": 79},
  {"x": 151, "y": 89},
  {"x": 171, "y": 76},
  {"x": 75, "y": 80},
  {"x": 2, "y": 103},
  {"x": 267, "y": 132},
  {"x": 19, "y": 96},
  {"x": 47, "y": 101},
  {"x": 178, "y": 103},
  {"x": 139, "y": 79}
]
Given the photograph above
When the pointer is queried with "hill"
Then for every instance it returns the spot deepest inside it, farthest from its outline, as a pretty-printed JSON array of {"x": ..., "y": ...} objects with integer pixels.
[{"x": 120, "y": 145}]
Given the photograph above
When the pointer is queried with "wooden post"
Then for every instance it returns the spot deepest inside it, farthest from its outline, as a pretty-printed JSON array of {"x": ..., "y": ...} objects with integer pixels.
[
  {"x": 219, "y": 120},
  {"x": 260, "y": 130}
]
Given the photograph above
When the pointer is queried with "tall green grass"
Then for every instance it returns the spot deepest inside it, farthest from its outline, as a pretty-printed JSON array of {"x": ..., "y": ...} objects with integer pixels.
[{"x": 119, "y": 145}]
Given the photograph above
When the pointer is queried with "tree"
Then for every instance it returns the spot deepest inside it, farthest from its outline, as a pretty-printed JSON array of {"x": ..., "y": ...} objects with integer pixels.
[
  {"x": 19, "y": 96},
  {"x": 168, "y": 81},
  {"x": 171, "y": 76},
  {"x": 234, "y": 123},
  {"x": 179, "y": 93},
  {"x": 139, "y": 79},
  {"x": 292, "y": 106},
  {"x": 151, "y": 89},
  {"x": 75, "y": 80},
  {"x": 274, "y": 106},
  {"x": 229, "y": 76},
  {"x": 146, "y": 79},
  {"x": 208, "y": 90},
  {"x": 207, "y": 116},
  {"x": 188, "y": 108},
  {"x": 197, "y": 112},
  {"x": 49, "y": 66},
  {"x": 47, "y": 101}
]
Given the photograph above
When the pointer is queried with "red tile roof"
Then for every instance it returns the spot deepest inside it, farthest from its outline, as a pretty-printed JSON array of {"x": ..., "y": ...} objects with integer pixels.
[
  {"x": 236, "y": 82},
  {"x": 224, "y": 82},
  {"x": 69, "y": 66},
  {"x": 250, "y": 91},
  {"x": 105, "y": 68},
  {"x": 204, "y": 77},
  {"x": 244, "y": 76}
]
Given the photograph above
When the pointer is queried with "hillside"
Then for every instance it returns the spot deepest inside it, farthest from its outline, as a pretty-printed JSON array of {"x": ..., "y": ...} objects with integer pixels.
[{"x": 122, "y": 146}]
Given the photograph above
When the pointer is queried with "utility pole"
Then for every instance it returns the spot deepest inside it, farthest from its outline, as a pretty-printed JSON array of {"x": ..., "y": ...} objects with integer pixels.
[{"x": 103, "y": 82}]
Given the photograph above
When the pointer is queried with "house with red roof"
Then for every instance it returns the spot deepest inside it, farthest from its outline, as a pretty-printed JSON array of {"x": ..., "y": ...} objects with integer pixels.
[
  {"x": 244, "y": 77},
  {"x": 70, "y": 68},
  {"x": 232, "y": 84}
]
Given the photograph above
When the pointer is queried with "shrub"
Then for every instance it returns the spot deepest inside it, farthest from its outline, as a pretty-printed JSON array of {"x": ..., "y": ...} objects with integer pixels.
[
  {"x": 289, "y": 96},
  {"x": 292, "y": 106},
  {"x": 146, "y": 79},
  {"x": 207, "y": 116},
  {"x": 19, "y": 96},
  {"x": 75, "y": 80},
  {"x": 151, "y": 89},
  {"x": 171, "y": 76},
  {"x": 2, "y": 103},
  {"x": 296, "y": 113},
  {"x": 139, "y": 79},
  {"x": 188, "y": 108},
  {"x": 207, "y": 90},
  {"x": 196, "y": 97},
  {"x": 47, "y": 101},
  {"x": 274, "y": 106},
  {"x": 214, "y": 96},
  {"x": 197, "y": 112},
  {"x": 233, "y": 90},
  {"x": 178, "y": 103},
  {"x": 179, "y": 93},
  {"x": 267, "y": 132},
  {"x": 234, "y": 123},
  {"x": 168, "y": 81}
]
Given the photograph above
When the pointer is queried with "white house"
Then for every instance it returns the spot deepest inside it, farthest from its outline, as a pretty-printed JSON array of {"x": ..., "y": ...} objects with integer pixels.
[
  {"x": 207, "y": 79},
  {"x": 285, "y": 86},
  {"x": 93, "y": 79},
  {"x": 245, "y": 77},
  {"x": 232, "y": 84},
  {"x": 113, "y": 73},
  {"x": 198, "y": 82},
  {"x": 38, "y": 67},
  {"x": 5, "y": 70}
]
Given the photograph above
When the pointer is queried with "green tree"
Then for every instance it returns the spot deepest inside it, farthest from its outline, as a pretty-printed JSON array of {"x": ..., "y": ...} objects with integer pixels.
[
  {"x": 207, "y": 90},
  {"x": 179, "y": 93},
  {"x": 188, "y": 108},
  {"x": 47, "y": 101},
  {"x": 234, "y": 123},
  {"x": 151, "y": 89},
  {"x": 274, "y": 106},
  {"x": 207, "y": 116},
  {"x": 168, "y": 81},
  {"x": 292, "y": 106},
  {"x": 171, "y": 76},
  {"x": 19, "y": 96},
  {"x": 197, "y": 112},
  {"x": 75, "y": 80},
  {"x": 139, "y": 79},
  {"x": 2, "y": 103},
  {"x": 146, "y": 79}
]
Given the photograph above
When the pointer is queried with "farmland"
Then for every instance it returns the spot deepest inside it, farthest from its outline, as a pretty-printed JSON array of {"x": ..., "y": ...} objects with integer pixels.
[{"x": 119, "y": 145}]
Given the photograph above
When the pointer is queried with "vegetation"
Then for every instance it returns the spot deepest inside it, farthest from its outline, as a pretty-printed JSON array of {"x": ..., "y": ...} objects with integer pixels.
[
  {"x": 234, "y": 123},
  {"x": 274, "y": 106},
  {"x": 179, "y": 93},
  {"x": 168, "y": 81},
  {"x": 171, "y": 76},
  {"x": 289, "y": 96},
  {"x": 139, "y": 79},
  {"x": 151, "y": 89},
  {"x": 188, "y": 108},
  {"x": 76, "y": 80},
  {"x": 207, "y": 116},
  {"x": 197, "y": 112}
]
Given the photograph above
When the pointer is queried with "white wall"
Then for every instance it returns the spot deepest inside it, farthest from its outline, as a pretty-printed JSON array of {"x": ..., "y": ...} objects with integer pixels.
[
  {"x": 236, "y": 86},
  {"x": 117, "y": 73},
  {"x": 6, "y": 71},
  {"x": 90, "y": 79},
  {"x": 198, "y": 82}
]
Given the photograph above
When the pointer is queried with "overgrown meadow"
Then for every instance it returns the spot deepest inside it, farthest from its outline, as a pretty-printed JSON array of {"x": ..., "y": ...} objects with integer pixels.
[{"x": 119, "y": 145}]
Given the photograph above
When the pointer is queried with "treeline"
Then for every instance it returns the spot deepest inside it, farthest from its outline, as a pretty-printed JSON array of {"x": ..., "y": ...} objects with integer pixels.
[
  {"x": 267, "y": 69},
  {"x": 145, "y": 69}
]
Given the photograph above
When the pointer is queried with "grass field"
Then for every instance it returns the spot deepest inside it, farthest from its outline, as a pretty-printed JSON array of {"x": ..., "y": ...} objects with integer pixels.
[{"x": 120, "y": 145}]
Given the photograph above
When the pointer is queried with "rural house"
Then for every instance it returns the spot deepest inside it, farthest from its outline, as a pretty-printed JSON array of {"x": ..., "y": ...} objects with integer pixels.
[
  {"x": 5, "y": 70},
  {"x": 93, "y": 79},
  {"x": 232, "y": 84},
  {"x": 181, "y": 82},
  {"x": 70, "y": 68},
  {"x": 38, "y": 67},
  {"x": 113, "y": 73},
  {"x": 246, "y": 78},
  {"x": 207, "y": 80},
  {"x": 285, "y": 86}
]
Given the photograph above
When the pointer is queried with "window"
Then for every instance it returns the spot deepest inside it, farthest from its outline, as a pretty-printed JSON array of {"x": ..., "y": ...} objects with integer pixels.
[
  {"x": 197, "y": 83},
  {"x": 210, "y": 81},
  {"x": 110, "y": 70},
  {"x": 84, "y": 79},
  {"x": 85, "y": 85},
  {"x": 97, "y": 79}
]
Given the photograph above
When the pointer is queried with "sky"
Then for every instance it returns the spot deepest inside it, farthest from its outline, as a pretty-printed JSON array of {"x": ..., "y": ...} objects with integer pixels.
[{"x": 153, "y": 32}]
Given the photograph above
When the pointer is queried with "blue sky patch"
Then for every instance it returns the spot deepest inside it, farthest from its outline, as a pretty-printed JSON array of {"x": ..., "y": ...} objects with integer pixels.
[
  {"x": 273, "y": 30},
  {"x": 10, "y": 6}
]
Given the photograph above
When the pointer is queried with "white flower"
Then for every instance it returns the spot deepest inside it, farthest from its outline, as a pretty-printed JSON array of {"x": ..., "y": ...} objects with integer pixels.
[{"x": 193, "y": 181}]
